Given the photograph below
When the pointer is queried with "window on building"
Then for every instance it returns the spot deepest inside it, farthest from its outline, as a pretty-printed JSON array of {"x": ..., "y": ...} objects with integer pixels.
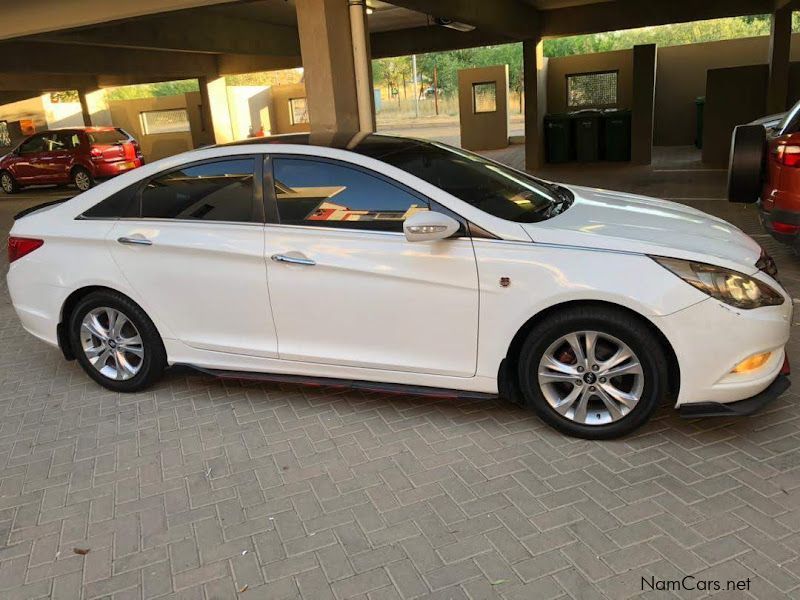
[
  {"x": 165, "y": 121},
  {"x": 592, "y": 89},
  {"x": 213, "y": 191},
  {"x": 484, "y": 97},
  {"x": 298, "y": 111},
  {"x": 325, "y": 194},
  {"x": 5, "y": 135}
]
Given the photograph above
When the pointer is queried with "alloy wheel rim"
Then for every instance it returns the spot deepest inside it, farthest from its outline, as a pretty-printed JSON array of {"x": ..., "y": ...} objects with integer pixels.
[
  {"x": 591, "y": 378},
  {"x": 111, "y": 343},
  {"x": 82, "y": 181},
  {"x": 5, "y": 181}
]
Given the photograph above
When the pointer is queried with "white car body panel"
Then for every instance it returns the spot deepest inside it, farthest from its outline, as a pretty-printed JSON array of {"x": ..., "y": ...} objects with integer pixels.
[
  {"x": 215, "y": 276},
  {"x": 387, "y": 310},
  {"x": 375, "y": 300},
  {"x": 617, "y": 221}
]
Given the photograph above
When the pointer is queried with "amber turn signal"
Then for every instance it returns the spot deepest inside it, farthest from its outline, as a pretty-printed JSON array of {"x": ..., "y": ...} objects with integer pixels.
[{"x": 752, "y": 363}]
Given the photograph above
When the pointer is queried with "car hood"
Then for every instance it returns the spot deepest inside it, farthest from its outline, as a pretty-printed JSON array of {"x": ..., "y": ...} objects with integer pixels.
[{"x": 626, "y": 222}]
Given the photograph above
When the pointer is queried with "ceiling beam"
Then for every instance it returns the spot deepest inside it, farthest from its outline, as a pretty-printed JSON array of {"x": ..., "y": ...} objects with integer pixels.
[
  {"x": 45, "y": 82},
  {"x": 195, "y": 31},
  {"x": 629, "y": 14},
  {"x": 434, "y": 38},
  {"x": 39, "y": 16},
  {"x": 16, "y": 96},
  {"x": 236, "y": 64},
  {"x": 511, "y": 18},
  {"x": 32, "y": 57}
]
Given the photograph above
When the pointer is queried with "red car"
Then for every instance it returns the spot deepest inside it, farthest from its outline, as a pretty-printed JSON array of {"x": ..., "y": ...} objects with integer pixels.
[
  {"x": 80, "y": 156},
  {"x": 765, "y": 168}
]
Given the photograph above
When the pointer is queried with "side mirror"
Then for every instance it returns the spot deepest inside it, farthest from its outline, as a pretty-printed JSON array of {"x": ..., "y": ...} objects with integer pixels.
[{"x": 426, "y": 226}]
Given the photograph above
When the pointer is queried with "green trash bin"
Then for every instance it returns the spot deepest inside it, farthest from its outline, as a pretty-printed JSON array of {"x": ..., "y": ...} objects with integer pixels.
[
  {"x": 558, "y": 138},
  {"x": 586, "y": 124},
  {"x": 617, "y": 135},
  {"x": 700, "y": 104}
]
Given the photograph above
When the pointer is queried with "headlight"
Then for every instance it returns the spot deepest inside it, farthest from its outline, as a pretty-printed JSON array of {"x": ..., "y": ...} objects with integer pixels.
[{"x": 730, "y": 287}]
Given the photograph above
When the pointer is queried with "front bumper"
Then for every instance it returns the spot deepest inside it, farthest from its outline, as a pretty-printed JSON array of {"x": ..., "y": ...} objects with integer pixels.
[
  {"x": 740, "y": 408},
  {"x": 710, "y": 338}
]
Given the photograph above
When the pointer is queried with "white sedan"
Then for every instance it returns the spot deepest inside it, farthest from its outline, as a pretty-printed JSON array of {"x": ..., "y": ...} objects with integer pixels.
[{"x": 390, "y": 263}]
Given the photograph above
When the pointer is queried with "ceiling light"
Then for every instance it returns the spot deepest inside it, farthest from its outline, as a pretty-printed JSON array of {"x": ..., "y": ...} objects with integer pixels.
[{"x": 450, "y": 24}]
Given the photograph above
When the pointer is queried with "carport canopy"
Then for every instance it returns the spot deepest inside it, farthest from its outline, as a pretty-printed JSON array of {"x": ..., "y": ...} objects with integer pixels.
[{"x": 87, "y": 45}]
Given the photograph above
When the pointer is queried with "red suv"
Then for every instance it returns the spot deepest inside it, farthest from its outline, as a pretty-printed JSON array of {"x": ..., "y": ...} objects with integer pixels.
[{"x": 80, "y": 156}]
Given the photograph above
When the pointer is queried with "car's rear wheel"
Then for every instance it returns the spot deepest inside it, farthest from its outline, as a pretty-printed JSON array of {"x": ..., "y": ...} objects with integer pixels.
[
  {"x": 82, "y": 179},
  {"x": 8, "y": 183},
  {"x": 116, "y": 343},
  {"x": 746, "y": 163},
  {"x": 592, "y": 373}
]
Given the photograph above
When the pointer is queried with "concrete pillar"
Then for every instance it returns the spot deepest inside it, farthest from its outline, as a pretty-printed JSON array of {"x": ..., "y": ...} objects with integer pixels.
[
  {"x": 214, "y": 108},
  {"x": 534, "y": 72},
  {"x": 780, "y": 43},
  {"x": 644, "y": 95},
  {"x": 94, "y": 107},
  {"x": 327, "y": 51}
]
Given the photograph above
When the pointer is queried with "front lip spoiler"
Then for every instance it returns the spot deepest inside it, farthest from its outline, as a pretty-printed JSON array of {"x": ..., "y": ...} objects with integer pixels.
[{"x": 742, "y": 408}]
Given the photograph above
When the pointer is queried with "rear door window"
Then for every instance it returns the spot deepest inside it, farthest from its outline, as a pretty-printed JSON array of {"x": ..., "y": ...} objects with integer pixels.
[{"x": 220, "y": 190}]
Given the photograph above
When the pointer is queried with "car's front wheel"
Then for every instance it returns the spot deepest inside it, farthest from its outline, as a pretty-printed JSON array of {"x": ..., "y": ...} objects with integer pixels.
[
  {"x": 593, "y": 372},
  {"x": 116, "y": 343},
  {"x": 82, "y": 179},
  {"x": 8, "y": 183}
]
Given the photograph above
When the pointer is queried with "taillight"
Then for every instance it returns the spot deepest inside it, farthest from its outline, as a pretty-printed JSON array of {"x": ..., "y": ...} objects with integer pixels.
[
  {"x": 788, "y": 155},
  {"x": 19, "y": 247},
  {"x": 780, "y": 227},
  {"x": 95, "y": 153},
  {"x": 129, "y": 150}
]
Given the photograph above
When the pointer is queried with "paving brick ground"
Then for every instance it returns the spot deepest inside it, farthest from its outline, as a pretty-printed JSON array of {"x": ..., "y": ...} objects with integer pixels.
[{"x": 214, "y": 489}]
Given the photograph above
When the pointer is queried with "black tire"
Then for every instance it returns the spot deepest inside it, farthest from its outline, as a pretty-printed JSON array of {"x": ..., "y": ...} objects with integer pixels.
[
  {"x": 609, "y": 321},
  {"x": 153, "y": 362},
  {"x": 8, "y": 184},
  {"x": 747, "y": 163},
  {"x": 82, "y": 179}
]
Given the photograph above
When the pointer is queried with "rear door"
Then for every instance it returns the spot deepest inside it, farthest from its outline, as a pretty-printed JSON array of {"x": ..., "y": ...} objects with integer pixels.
[
  {"x": 63, "y": 145},
  {"x": 195, "y": 250},
  {"x": 29, "y": 154}
]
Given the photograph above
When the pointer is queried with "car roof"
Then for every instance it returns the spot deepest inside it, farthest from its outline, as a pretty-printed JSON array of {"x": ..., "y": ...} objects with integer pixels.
[
  {"x": 88, "y": 129},
  {"x": 371, "y": 144}
]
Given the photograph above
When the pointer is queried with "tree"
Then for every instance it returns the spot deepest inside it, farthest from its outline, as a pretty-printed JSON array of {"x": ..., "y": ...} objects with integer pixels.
[{"x": 387, "y": 71}]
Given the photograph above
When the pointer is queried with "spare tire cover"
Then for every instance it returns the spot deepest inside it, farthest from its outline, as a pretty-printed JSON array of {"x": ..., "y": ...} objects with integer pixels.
[{"x": 746, "y": 165}]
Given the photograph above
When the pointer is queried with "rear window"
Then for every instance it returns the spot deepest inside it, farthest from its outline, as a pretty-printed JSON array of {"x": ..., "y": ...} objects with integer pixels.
[{"x": 113, "y": 136}]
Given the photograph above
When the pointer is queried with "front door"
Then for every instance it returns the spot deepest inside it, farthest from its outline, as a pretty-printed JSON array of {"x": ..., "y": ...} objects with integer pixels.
[
  {"x": 348, "y": 289},
  {"x": 196, "y": 253},
  {"x": 27, "y": 163}
]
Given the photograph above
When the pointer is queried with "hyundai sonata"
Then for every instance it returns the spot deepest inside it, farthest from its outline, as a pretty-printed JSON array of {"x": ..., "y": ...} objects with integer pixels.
[{"x": 391, "y": 263}]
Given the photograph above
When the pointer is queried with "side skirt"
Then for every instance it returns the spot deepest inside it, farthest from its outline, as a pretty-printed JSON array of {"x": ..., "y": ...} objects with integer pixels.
[{"x": 372, "y": 386}]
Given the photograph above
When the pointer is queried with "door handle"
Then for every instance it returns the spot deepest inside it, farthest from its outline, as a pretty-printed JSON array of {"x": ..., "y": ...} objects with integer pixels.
[
  {"x": 135, "y": 241},
  {"x": 295, "y": 260}
]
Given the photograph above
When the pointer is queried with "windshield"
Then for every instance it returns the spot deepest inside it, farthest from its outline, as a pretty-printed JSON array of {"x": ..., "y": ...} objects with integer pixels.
[{"x": 485, "y": 184}]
